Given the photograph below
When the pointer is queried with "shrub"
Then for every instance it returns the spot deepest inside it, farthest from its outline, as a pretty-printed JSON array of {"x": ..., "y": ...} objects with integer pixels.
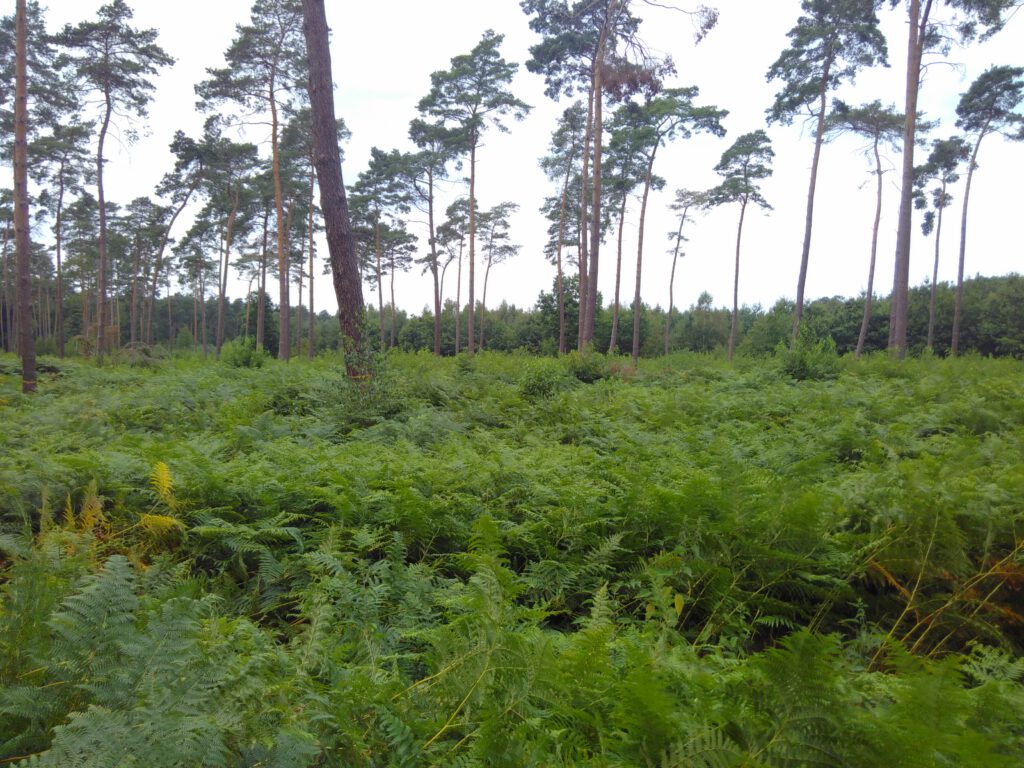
[
  {"x": 809, "y": 359},
  {"x": 588, "y": 367},
  {"x": 241, "y": 353}
]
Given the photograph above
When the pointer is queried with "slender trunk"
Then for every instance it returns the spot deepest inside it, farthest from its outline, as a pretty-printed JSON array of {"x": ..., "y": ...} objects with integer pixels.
[
  {"x": 559, "y": 280},
  {"x": 584, "y": 226},
  {"x": 22, "y": 244},
  {"x": 433, "y": 261},
  {"x": 312, "y": 258},
  {"x": 736, "y": 284},
  {"x": 158, "y": 261},
  {"x": 870, "y": 295},
  {"x": 394, "y": 313},
  {"x": 458, "y": 300},
  {"x": 101, "y": 269},
  {"x": 958, "y": 302},
  {"x": 222, "y": 284},
  {"x": 132, "y": 308},
  {"x": 472, "y": 245},
  {"x": 284, "y": 310},
  {"x": 614, "y": 339},
  {"x": 170, "y": 318},
  {"x": 380, "y": 280},
  {"x": 901, "y": 274},
  {"x": 640, "y": 256},
  {"x": 261, "y": 311},
  {"x": 202, "y": 303},
  {"x": 57, "y": 233},
  {"x": 595, "y": 208},
  {"x": 483, "y": 303},
  {"x": 5, "y": 302},
  {"x": 805, "y": 253},
  {"x": 195, "y": 315},
  {"x": 672, "y": 277},
  {"x": 299, "y": 305},
  {"x": 933, "y": 296}
]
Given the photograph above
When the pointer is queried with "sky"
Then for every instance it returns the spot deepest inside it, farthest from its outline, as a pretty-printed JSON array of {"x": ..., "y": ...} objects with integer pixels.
[{"x": 384, "y": 51}]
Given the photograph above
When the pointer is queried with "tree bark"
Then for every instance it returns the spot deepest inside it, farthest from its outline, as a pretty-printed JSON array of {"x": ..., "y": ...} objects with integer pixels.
[
  {"x": 614, "y": 336},
  {"x": 458, "y": 300},
  {"x": 958, "y": 303},
  {"x": 222, "y": 287},
  {"x": 559, "y": 279},
  {"x": 101, "y": 268},
  {"x": 640, "y": 256},
  {"x": 869, "y": 297},
  {"x": 261, "y": 298},
  {"x": 805, "y": 253},
  {"x": 672, "y": 277},
  {"x": 340, "y": 242},
  {"x": 918, "y": 17},
  {"x": 472, "y": 245},
  {"x": 158, "y": 262},
  {"x": 584, "y": 260},
  {"x": 22, "y": 243},
  {"x": 595, "y": 207},
  {"x": 736, "y": 284},
  {"x": 933, "y": 296},
  {"x": 312, "y": 264},
  {"x": 433, "y": 261},
  {"x": 283, "y": 272}
]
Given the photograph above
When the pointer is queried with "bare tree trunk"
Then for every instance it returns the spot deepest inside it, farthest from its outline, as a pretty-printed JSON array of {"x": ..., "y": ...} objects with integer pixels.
[
  {"x": 312, "y": 262},
  {"x": 595, "y": 209},
  {"x": 261, "y": 290},
  {"x": 805, "y": 253},
  {"x": 472, "y": 245},
  {"x": 101, "y": 268},
  {"x": 933, "y": 296},
  {"x": 202, "y": 302},
  {"x": 458, "y": 301},
  {"x": 380, "y": 279},
  {"x": 222, "y": 283},
  {"x": 394, "y": 312},
  {"x": 284, "y": 274},
  {"x": 158, "y": 261},
  {"x": 58, "y": 233},
  {"x": 614, "y": 340},
  {"x": 672, "y": 277},
  {"x": 958, "y": 302},
  {"x": 340, "y": 242},
  {"x": 901, "y": 275},
  {"x": 869, "y": 297},
  {"x": 584, "y": 227},
  {"x": 433, "y": 261},
  {"x": 559, "y": 279},
  {"x": 483, "y": 303},
  {"x": 22, "y": 244},
  {"x": 133, "y": 308},
  {"x": 736, "y": 284},
  {"x": 640, "y": 257}
]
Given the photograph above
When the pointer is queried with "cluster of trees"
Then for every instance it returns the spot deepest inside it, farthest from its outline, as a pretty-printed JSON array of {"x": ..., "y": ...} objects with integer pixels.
[{"x": 257, "y": 215}]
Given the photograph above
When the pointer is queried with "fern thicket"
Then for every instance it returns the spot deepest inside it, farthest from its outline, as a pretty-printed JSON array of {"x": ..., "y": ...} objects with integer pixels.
[{"x": 502, "y": 561}]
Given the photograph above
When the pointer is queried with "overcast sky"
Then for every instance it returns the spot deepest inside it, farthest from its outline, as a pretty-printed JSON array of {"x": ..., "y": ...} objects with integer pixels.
[{"x": 383, "y": 54}]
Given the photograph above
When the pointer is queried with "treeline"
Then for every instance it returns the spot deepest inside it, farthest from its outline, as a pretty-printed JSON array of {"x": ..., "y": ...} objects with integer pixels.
[{"x": 992, "y": 324}]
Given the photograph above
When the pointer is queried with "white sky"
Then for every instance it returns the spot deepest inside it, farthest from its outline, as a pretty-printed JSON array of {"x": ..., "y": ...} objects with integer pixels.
[{"x": 383, "y": 54}]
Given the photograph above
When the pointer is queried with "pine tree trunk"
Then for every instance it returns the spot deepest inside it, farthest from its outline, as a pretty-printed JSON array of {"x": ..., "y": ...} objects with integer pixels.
[
  {"x": 736, "y": 285},
  {"x": 918, "y": 17},
  {"x": 595, "y": 208},
  {"x": 933, "y": 296},
  {"x": 472, "y": 246},
  {"x": 672, "y": 278},
  {"x": 458, "y": 301},
  {"x": 57, "y": 232},
  {"x": 958, "y": 302},
  {"x": 340, "y": 243},
  {"x": 584, "y": 227},
  {"x": 22, "y": 244},
  {"x": 614, "y": 337},
  {"x": 394, "y": 312},
  {"x": 101, "y": 268},
  {"x": 158, "y": 261},
  {"x": 284, "y": 274},
  {"x": 559, "y": 279},
  {"x": 433, "y": 261},
  {"x": 380, "y": 280},
  {"x": 312, "y": 264},
  {"x": 805, "y": 253},
  {"x": 133, "y": 307},
  {"x": 640, "y": 257},
  {"x": 870, "y": 295},
  {"x": 222, "y": 283},
  {"x": 261, "y": 303}
]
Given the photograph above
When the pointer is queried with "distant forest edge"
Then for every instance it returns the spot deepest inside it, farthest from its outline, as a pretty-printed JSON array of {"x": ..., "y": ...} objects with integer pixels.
[{"x": 992, "y": 324}]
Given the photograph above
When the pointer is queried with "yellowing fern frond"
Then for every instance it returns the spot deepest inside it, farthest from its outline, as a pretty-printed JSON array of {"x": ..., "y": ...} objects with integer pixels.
[
  {"x": 91, "y": 515},
  {"x": 162, "y": 482},
  {"x": 160, "y": 525}
]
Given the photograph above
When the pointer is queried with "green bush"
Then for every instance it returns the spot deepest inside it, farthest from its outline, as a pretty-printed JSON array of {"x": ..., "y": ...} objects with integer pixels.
[
  {"x": 588, "y": 367},
  {"x": 240, "y": 353},
  {"x": 809, "y": 359}
]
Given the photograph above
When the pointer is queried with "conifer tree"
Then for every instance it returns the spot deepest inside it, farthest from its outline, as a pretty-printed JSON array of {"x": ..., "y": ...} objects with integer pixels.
[
  {"x": 744, "y": 164},
  {"x": 472, "y": 95},
  {"x": 115, "y": 61},
  {"x": 829, "y": 44},
  {"x": 22, "y": 242}
]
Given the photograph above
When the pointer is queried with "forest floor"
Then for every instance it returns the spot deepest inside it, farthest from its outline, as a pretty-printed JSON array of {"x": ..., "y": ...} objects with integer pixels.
[{"x": 505, "y": 560}]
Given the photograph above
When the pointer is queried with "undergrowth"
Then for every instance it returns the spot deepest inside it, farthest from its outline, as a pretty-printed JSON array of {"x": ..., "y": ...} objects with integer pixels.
[{"x": 511, "y": 561}]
